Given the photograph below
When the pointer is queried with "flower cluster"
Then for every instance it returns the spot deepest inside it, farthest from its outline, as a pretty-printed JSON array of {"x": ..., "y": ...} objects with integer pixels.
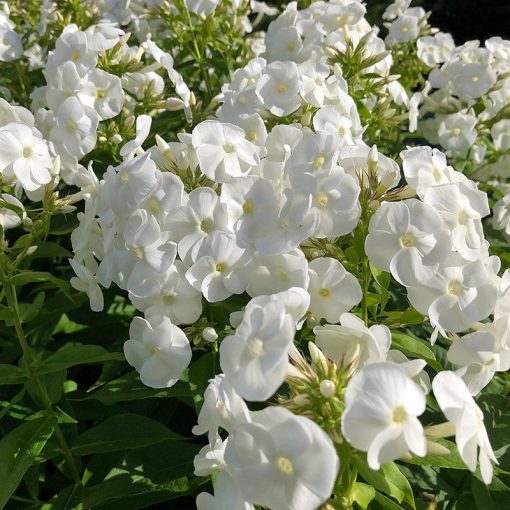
[{"x": 274, "y": 204}]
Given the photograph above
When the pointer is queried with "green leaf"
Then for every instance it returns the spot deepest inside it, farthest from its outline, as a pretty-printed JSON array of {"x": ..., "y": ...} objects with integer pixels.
[
  {"x": 50, "y": 250},
  {"x": 414, "y": 348},
  {"x": 129, "y": 387},
  {"x": 10, "y": 374},
  {"x": 388, "y": 479},
  {"x": 384, "y": 503},
  {"x": 122, "y": 432},
  {"x": 77, "y": 354},
  {"x": 363, "y": 494},
  {"x": 451, "y": 460},
  {"x": 18, "y": 450}
]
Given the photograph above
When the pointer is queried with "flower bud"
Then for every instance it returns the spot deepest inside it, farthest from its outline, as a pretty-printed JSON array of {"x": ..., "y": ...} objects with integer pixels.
[
  {"x": 174, "y": 104},
  {"x": 116, "y": 138},
  {"x": 327, "y": 388},
  {"x": 209, "y": 334}
]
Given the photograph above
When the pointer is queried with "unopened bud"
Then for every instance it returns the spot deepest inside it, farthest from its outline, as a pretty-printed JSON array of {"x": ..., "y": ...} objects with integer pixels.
[
  {"x": 32, "y": 249},
  {"x": 130, "y": 120},
  {"x": 27, "y": 222},
  {"x": 327, "y": 388},
  {"x": 209, "y": 334},
  {"x": 446, "y": 429},
  {"x": 318, "y": 358},
  {"x": 306, "y": 118},
  {"x": 174, "y": 104},
  {"x": 301, "y": 400},
  {"x": 436, "y": 449},
  {"x": 102, "y": 139},
  {"x": 116, "y": 138},
  {"x": 192, "y": 99}
]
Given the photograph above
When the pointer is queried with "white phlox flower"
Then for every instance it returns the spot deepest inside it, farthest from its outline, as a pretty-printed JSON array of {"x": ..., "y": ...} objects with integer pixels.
[
  {"x": 480, "y": 355},
  {"x": 24, "y": 156},
  {"x": 140, "y": 262},
  {"x": 215, "y": 272},
  {"x": 270, "y": 470},
  {"x": 332, "y": 289},
  {"x": 425, "y": 167},
  {"x": 458, "y": 406},
  {"x": 158, "y": 350},
  {"x": 143, "y": 126},
  {"x": 85, "y": 281},
  {"x": 278, "y": 88},
  {"x": 191, "y": 224},
  {"x": 462, "y": 207},
  {"x": 408, "y": 238},
  {"x": 8, "y": 217},
  {"x": 177, "y": 299},
  {"x": 381, "y": 414},
  {"x": 352, "y": 336},
  {"x": 270, "y": 274},
  {"x": 459, "y": 294},
  {"x": 222, "y": 407},
  {"x": 255, "y": 358},
  {"x": 223, "y": 151}
]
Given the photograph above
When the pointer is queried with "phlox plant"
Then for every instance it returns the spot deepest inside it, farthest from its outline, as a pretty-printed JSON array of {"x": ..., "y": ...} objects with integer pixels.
[{"x": 251, "y": 257}]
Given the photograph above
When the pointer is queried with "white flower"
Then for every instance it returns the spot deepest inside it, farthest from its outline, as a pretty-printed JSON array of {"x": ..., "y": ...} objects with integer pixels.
[
  {"x": 8, "y": 217},
  {"x": 404, "y": 29},
  {"x": 141, "y": 262},
  {"x": 471, "y": 437},
  {"x": 191, "y": 224},
  {"x": 222, "y": 407},
  {"x": 255, "y": 358},
  {"x": 501, "y": 214},
  {"x": 270, "y": 274},
  {"x": 435, "y": 49},
  {"x": 352, "y": 336},
  {"x": 143, "y": 127},
  {"x": 202, "y": 7},
  {"x": 24, "y": 156},
  {"x": 462, "y": 207},
  {"x": 380, "y": 418},
  {"x": 214, "y": 273},
  {"x": 408, "y": 238},
  {"x": 473, "y": 80},
  {"x": 481, "y": 355},
  {"x": 332, "y": 289},
  {"x": 459, "y": 294},
  {"x": 75, "y": 129},
  {"x": 158, "y": 350},
  {"x": 425, "y": 167},
  {"x": 278, "y": 88},
  {"x": 223, "y": 151},
  {"x": 86, "y": 282},
  {"x": 271, "y": 471},
  {"x": 457, "y": 132},
  {"x": 177, "y": 299},
  {"x": 334, "y": 201},
  {"x": 108, "y": 95}
]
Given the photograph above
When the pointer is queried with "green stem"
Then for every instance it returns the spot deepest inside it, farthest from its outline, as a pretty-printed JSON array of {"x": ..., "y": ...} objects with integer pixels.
[{"x": 42, "y": 394}]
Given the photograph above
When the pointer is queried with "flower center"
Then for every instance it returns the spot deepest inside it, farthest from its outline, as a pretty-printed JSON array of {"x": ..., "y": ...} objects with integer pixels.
[
  {"x": 137, "y": 252},
  {"x": 154, "y": 206},
  {"x": 319, "y": 161},
  {"x": 206, "y": 225},
  {"x": 221, "y": 267},
  {"x": 248, "y": 207},
  {"x": 251, "y": 136},
  {"x": 475, "y": 78},
  {"x": 228, "y": 147},
  {"x": 322, "y": 199},
  {"x": 325, "y": 292},
  {"x": 408, "y": 240},
  {"x": 456, "y": 131},
  {"x": 290, "y": 47},
  {"x": 72, "y": 126},
  {"x": 281, "y": 88},
  {"x": 284, "y": 465},
  {"x": 124, "y": 178},
  {"x": 27, "y": 152},
  {"x": 100, "y": 93},
  {"x": 255, "y": 347},
  {"x": 399, "y": 415},
  {"x": 75, "y": 55},
  {"x": 463, "y": 218},
  {"x": 455, "y": 288}
]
